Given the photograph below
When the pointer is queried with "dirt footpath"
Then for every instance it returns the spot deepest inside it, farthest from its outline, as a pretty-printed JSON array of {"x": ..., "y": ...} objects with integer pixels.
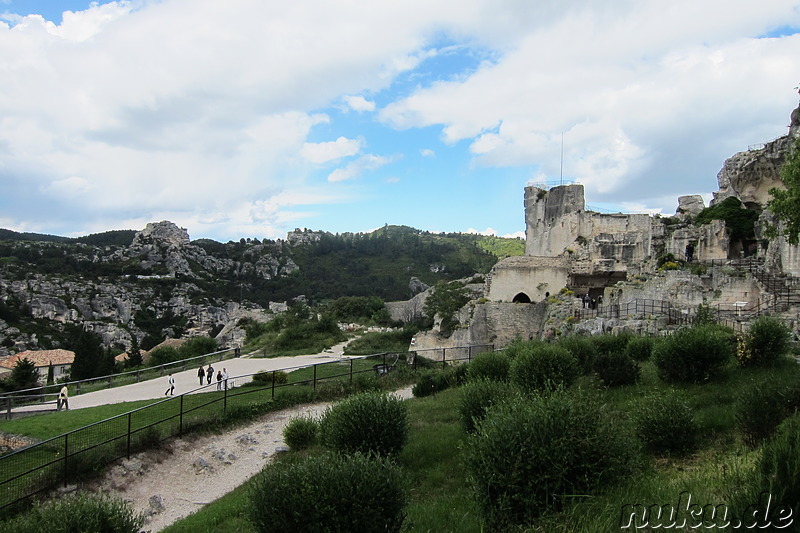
[{"x": 174, "y": 482}]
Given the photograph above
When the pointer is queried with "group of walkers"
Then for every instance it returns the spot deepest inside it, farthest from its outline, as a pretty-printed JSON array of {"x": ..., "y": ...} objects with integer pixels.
[{"x": 208, "y": 375}]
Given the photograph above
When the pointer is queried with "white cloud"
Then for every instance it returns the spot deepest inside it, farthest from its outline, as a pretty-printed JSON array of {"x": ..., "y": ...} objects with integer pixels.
[
  {"x": 354, "y": 169},
  {"x": 359, "y": 103},
  {"x": 331, "y": 150},
  {"x": 204, "y": 111}
]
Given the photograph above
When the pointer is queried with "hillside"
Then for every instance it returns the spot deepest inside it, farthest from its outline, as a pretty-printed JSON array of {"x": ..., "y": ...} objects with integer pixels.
[{"x": 157, "y": 282}]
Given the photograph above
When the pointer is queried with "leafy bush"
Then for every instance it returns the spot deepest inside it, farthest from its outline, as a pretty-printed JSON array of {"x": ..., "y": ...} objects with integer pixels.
[
  {"x": 489, "y": 365},
  {"x": 611, "y": 343},
  {"x": 369, "y": 422},
  {"x": 666, "y": 425},
  {"x": 265, "y": 377},
  {"x": 616, "y": 369},
  {"x": 583, "y": 348},
  {"x": 766, "y": 341},
  {"x": 762, "y": 406},
  {"x": 433, "y": 381},
  {"x": 776, "y": 474},
  {"x": 301, "y": 433},
  {"x": 80, "y": 512},
  {"x": 530, "y": 456},
  {"x": 739, "y": 220},
  {"x": 197, "y": 346},
  {"x": 330, "y": 493},
  {"x": 544, "y": 367},
  {"x": 163, "y": 355},
  {"x": 477, "y": 397},
  {"x": 693, "y": 355},
  {"x": 640, "y": 348}
]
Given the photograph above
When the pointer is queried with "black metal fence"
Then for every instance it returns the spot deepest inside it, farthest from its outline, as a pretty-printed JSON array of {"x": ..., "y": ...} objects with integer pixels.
[
  {"x": 455, "y": 354},
  {"x": 638, "y": 308},
  {"x": 49, "y": 393},
  {"x": 43, "y": 466}
]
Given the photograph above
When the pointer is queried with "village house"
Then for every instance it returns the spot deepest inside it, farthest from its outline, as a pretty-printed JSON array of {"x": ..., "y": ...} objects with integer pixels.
[{"x": 60, "y": 360}]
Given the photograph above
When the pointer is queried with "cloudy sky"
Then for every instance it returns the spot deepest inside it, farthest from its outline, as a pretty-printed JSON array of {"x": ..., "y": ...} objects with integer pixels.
[{"x": 248, "y": 118}]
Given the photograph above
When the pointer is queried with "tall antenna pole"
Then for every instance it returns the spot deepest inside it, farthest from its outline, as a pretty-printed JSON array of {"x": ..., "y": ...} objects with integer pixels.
[{"x": 562, "y": 158}]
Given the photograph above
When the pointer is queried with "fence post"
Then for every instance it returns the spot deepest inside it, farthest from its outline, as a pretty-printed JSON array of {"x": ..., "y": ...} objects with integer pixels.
[
  {"x": 273, "y": 384},
  {"x": 444, "y": 358},
  {"x": 315, "y": 377},
  {"x": 180, "y": 418},
  {"x": 66, "y": 453},
  {"x": 351, "y": 371},
  {"x": 129, "y": 435},
  {"x": 224, "y": 399},
  {"x": 8, "y": 407}
]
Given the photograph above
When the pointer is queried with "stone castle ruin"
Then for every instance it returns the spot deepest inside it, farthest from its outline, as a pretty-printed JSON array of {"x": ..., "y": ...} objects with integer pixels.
[{"x": 633, "y": 269}]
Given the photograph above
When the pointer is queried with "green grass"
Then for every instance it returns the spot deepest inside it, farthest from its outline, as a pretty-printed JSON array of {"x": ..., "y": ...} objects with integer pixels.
[{"x": 441, "y": 498}]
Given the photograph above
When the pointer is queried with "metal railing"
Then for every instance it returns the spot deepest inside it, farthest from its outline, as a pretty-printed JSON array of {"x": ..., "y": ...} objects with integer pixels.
[
  {"x": 634, "y": 308},
  {"x": 40, "y": 467},
  {"x": 42, "y": 394},
  {"x": 457, "y": 354}
]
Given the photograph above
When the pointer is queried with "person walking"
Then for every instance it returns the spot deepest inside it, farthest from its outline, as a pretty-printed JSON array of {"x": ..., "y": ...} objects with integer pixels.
[
  {"x": 201, "y": 374},
  {"x": 171, "y": 389},
  {"x": 225, "y": 378},
  {"x": 219, "y": 380},
  {"x": 209, "y": 374},
  {"x": 63, "y": 399}
]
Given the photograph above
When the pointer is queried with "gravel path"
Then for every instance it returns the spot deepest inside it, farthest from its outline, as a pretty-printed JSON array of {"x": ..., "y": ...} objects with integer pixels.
[{"x": 177, "y": 480}]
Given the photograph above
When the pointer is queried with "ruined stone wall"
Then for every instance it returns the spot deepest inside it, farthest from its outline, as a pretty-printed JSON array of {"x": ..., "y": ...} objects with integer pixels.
[
  {"x": 711, "y": 241},
  {"x": 534, "y": 276},
  {"x": 496, "y": 323}
]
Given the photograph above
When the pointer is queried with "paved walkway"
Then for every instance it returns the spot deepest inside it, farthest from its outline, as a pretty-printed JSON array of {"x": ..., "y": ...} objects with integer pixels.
[{"x": 188, "y": 381}]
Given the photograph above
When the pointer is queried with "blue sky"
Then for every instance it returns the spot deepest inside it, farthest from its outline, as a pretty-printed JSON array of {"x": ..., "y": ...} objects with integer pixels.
[{"x": 249, "y": 118}]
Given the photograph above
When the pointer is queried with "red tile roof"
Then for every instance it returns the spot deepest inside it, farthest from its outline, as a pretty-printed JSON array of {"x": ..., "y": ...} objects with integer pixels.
[{"x": 41, "y": 358}]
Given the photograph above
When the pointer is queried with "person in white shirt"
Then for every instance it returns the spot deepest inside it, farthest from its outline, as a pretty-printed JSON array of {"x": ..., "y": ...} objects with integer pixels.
[
  {"x": 171, "y": 389},
  {"x": 63, "y": 399}
]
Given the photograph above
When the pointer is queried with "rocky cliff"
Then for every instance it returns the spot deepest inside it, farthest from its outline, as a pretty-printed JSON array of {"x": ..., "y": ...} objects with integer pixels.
[{"x": 156, "y": 287}]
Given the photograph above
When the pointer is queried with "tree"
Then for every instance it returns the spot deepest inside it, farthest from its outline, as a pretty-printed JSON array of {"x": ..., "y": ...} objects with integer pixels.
[
  {"x": 24, "y": 375},
  {"x": 785, "y": 204},
  {"x": 445, "y": 300},
  {"x": 89, "y": 358},
  {"x": 135, "y": 353}
]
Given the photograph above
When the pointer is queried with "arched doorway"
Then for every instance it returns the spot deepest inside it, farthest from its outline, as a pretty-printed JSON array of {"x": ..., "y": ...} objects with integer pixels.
[{"x": 521, "y": 298}]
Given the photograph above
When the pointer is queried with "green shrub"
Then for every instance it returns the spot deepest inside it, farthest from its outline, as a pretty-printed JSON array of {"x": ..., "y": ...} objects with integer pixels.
[
  {"x": 693, "y": 355},
  {"x": 330, "y": 493},
  {"x": 429, "y": 382},
  {"x": 265, "y": 377},
  {"x": 489, "y": 365},
  {"x": 616, "y": 369},
  {"x": 163, "y": 355},
  {"x": 640, "y": 348},
  {"x": 666, "y": 424},
  {"x": 519, "y": 346},
  {"x": 765, "y": 342},
  {"x": 370, "y": 422},
  {"x": 776, "y": 475},
  {"x": 81, "y": 512},
  {"x": 762, "y": 406},
  {"x": 611, "y": 343},
  {"x": 301, "y": 433},
  {"x": 477, "y": 397},
  {"x": 583, "y": 348},
  {"x": 530, "y": 456},
  {"x": 544, "y": 367}
]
